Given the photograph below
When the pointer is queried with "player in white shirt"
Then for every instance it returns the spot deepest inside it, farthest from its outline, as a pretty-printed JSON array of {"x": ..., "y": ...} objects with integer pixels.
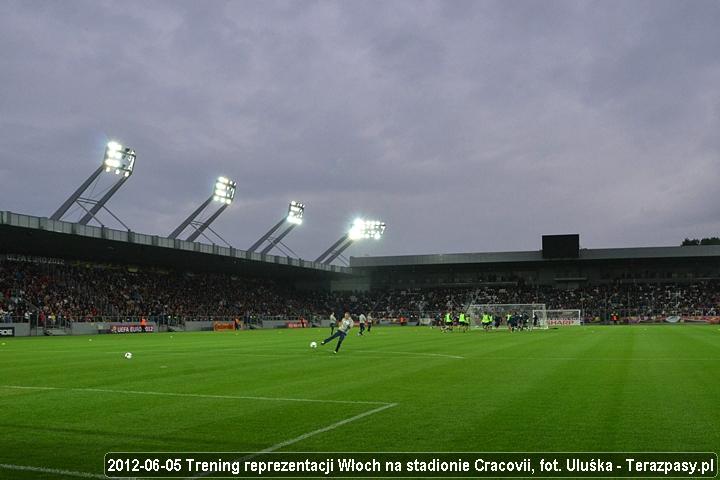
[
  {"x": 333, "y": 323},
  {"x": 369, "y": 322},
  {"x": 362, "y": 320},
  {"x": 345, "y": 325}
]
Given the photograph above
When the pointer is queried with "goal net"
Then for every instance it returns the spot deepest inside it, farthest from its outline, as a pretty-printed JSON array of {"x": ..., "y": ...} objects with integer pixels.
[
  {"x": 560, "y": 318},
  {"x": 502, "y": 310}
]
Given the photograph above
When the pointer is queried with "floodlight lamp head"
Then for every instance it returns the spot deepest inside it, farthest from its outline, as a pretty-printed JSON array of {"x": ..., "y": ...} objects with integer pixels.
[
  {"x": 296, "y": 211},
  {"x": 224, "y": 191},
  {"x": 362, "y": 228},
  {"x": 118, "y": 159}
]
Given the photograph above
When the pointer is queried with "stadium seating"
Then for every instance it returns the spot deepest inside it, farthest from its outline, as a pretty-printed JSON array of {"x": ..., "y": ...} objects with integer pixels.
[{"x": 53, "y": 294}]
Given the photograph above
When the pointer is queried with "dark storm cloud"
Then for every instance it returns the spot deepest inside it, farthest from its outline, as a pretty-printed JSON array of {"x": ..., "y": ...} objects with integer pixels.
[{"x": 467, "y": 126}]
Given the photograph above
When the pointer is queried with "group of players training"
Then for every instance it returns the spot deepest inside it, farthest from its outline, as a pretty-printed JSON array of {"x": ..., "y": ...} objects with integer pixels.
[
  {"x": 344, "y": 325},
  {"x": 514, "y": 321}
]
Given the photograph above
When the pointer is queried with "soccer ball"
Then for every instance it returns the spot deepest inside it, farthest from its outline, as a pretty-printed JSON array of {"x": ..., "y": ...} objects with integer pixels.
[
  {"x": 128, "y": 355},
  {"x": 313, "y": 344}
]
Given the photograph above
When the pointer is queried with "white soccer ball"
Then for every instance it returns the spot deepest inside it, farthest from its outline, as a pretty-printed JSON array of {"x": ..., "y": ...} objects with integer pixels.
[
  {"x": 313, "y": 344},
  {"x": 128, "y": 355}
]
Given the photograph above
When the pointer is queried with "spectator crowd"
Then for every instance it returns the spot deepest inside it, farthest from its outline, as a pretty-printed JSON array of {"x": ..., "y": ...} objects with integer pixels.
[{"x": 52, "y": 294}]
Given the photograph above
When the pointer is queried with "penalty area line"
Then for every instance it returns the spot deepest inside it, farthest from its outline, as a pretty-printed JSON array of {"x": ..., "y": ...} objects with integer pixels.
[{"x": 54, "y": 471}]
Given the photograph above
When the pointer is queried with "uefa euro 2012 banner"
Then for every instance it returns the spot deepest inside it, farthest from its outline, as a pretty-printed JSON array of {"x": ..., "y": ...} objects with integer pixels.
[
  {"x": 131, "y": 328},
  {"x": 411, "y": 465}
]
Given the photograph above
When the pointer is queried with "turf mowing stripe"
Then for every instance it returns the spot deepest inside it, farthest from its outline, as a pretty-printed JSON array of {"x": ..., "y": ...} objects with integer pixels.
[
  {"x": 198, "y": 395},
  {"x": 413, "y": 353},
  {"x": 54, "y": 471}
]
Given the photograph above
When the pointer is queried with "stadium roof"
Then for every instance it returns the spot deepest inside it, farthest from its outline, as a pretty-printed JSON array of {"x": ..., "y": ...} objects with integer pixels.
[
  {"x": 28, "y": 235},
  {"x": 40, "y": 236},
  {"x": 535, "y": 256}
]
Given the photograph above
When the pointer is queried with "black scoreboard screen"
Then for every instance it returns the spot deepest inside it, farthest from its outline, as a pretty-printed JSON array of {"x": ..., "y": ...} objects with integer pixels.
[{"x": 561, "y": 246}]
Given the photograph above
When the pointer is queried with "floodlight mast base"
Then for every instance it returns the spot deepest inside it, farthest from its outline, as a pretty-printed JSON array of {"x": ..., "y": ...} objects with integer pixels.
[
  {"x": 82, "y": 201},
  {"x": 218, "y": 236},
  {"x": 189, "y": 219},
  {"x": 193, "y": 236},
  {"x": 335, "y": 250},
  {"x": 101, "y": 203},
  {"x": 76, "y": 195},
  {"x": 262, "y": 239},
  {"x": 278, "y": 240},
  {"x": 339, "y": 251},
  {"x": 287, "y": 251}
]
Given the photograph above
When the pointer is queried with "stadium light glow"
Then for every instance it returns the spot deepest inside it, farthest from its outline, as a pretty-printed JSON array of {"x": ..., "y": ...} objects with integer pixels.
[
  {"x": 296, "y": 210},
  {"x": 118, "y": 159},
  {"x": 224, "y": 190},
  {"x": 362, "y": 228}
]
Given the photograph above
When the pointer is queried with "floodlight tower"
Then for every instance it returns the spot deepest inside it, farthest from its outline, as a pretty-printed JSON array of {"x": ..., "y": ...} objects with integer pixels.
[
  {"x": 118, "y": 159},
  {"x": 360, "y": 229},
  {"x": 296, "y": 211},
  {"x": 223, "y": 193}
]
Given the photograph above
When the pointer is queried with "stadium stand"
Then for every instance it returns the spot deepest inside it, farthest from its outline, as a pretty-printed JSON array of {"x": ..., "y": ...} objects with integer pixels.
[
  {"x": 53, "y": 273},
  {"x": 52, "y": 294}
]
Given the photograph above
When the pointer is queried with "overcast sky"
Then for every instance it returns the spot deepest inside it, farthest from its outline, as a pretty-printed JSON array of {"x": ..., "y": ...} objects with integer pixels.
[{"x": 465, "y": 125}]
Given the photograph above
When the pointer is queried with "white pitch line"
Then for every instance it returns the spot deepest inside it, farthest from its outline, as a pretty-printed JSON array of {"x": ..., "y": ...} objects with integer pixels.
[
  {"x": 219, "y": 351},
  {"x": 91, "y": 351},
  {"x": 198, "y": 395},
  {"x": 304, "y": 436},
  {"x": 333, "y": 426},
  {"x": 326, "y": 429},
  {"x": 54, "y": 471},
  {"x": 443, "y": 355}
]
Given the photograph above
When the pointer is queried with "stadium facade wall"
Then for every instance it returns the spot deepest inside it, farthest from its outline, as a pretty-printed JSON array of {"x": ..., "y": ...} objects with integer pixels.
[
  {"x": 83, "y": 328},
  {"x": 274, "y": 323},
  {"x": 599, "y": 266},
  {"x": 197, "y": 326}
]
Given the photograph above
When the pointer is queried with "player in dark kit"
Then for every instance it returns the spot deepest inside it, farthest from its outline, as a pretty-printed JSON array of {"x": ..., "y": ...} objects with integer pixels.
[{"x": 512, "y": 322}]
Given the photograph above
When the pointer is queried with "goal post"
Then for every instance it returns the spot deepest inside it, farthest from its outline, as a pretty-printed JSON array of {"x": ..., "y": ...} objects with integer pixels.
[
  {"x": 561, "y": 317},
  {"x": 476, "y": 312}
]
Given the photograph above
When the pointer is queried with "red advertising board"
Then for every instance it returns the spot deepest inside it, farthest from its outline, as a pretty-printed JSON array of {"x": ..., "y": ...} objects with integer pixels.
[{"x": 220, "y": 326}]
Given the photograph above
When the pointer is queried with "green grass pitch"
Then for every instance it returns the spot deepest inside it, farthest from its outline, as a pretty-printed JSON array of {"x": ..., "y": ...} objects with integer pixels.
[{"x": 66, "y": 401}]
